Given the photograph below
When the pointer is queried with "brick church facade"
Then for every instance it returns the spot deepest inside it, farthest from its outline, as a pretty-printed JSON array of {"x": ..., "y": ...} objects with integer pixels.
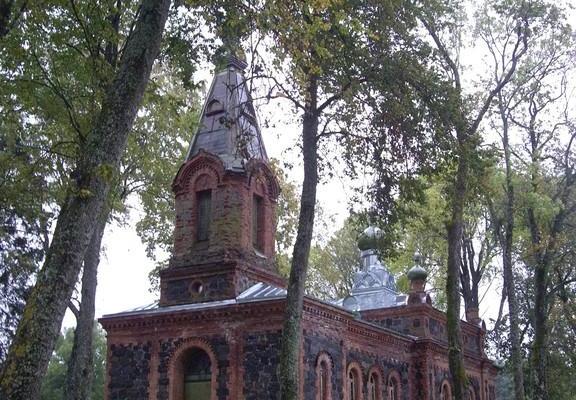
[{"x": 215, "y": 332}]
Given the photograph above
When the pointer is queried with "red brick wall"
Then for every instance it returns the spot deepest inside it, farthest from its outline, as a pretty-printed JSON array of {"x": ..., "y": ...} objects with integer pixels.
[{"x": 232, "y": 197}]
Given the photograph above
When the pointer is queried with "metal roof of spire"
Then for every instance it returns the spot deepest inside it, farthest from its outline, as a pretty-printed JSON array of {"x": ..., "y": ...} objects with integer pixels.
[{"x": 228, "y": 124}]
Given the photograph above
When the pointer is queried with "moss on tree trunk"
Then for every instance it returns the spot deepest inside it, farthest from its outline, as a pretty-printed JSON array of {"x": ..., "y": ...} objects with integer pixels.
[
  {"x": 290, "y": 350},
  {"x": 454, "y": 227},
  {"x": 80, "y": 365},
  {"x": 39, "y": 327}
]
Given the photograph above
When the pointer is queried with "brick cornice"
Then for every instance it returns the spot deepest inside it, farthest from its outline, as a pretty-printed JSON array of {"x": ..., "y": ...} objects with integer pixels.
[
  {"x": 419, "y": 310},
  {"x": 144, "y": 321}
]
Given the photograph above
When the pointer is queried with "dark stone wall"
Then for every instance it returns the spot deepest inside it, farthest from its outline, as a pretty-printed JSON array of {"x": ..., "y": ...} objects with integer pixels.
[
  {"x": 214, "y": 287},
  {"x": 471, "y": 343},
  {"x": 129, "y": 367},
  {"x": 260, "y": 362},
  {"x": 438, "y": 330},
  {"x": 221, "y": 351},
  {"x": 313, "y": 346},
  {"x": 412, "y": 326}
]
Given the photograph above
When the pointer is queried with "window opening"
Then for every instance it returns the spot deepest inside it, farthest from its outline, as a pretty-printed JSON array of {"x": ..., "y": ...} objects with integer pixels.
[
  {"x": 393, "y": 389},
  {"x": 214, "y": 107},
  {"x": 323, "y": 381},
  {"x": 352, "y": 385},
  {"x": 258, "y": 223},
  {"x": 204, "y": 211},
  {"x": 197, "y": 376},
  {"x": 373, "y": 387}
]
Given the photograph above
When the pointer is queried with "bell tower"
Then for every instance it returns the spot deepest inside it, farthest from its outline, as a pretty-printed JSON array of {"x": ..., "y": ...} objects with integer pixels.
[{"x": 225, "y": 195}]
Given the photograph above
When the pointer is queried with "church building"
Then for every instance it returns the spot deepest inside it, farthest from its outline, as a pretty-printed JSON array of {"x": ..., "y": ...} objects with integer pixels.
[{"x": 215, "y": 332}]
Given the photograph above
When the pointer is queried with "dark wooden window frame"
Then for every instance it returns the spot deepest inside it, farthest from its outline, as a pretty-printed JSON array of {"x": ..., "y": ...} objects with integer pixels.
[{"x": 203, "y": 215}]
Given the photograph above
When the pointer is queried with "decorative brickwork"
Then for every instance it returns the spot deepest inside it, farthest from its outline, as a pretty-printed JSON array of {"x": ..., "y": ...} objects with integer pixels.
[
  {"x": 215, "y": 346},
  {"x": 315, "y": 347},
  {"x": 218, "y": 325}
]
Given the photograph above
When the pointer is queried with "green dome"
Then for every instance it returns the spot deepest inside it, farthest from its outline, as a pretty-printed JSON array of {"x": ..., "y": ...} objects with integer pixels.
[
  {"x": 417, "y": 272},
  {"x": 370, "y": 238}
]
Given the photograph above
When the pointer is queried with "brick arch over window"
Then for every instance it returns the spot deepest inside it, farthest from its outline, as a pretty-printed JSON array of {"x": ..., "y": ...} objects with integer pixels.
[
  {"x": 204, "y": 180},
  {"x": 259, "y": 171},
  {"x": 374, "y": 385},
  {"x": 264, "y": 191},
  {"x": 202, "y": 163},
  {"x": 393, "y": 386},
  {"x": 179, "y": 358},
  {"x": 324, "y": 367},
  {"x": 445, "y": 390},
  {"x": 354, "y": 381}
]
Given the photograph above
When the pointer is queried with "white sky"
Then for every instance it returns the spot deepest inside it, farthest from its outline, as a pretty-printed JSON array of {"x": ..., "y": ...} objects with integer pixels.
[{"x": 123, "y": 272}]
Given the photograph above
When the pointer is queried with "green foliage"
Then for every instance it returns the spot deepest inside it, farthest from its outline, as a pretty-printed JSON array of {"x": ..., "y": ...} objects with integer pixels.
[
  {"x": 54, "y": 381},
  {"x": 333, "y": 263},
  {"x": 169, "y": 116},
  {"x": 287, "y": 210},
  {"x": 49, "y": 97}
]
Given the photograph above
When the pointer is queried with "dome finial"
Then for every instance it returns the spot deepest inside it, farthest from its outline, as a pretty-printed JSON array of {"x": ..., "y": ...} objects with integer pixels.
[
  {"x": 370, "y": 238},
  {"x": 417, "y": 272}
]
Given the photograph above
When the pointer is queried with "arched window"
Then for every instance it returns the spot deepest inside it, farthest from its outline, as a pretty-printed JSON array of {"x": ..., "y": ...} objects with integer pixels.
[
  {"x": 323, "y": 377},
  {"x": 258, "y": 222},
  {"x": 354, "y": 383},
  {"x": 193, "y": 372},
  {"x": 374, "y": 390},
  {"x": 393, "y": 386},
  {"x": 445, "y": 391},
  {"x": 203, "y": 215},
  {"x": 197, "y": 375},
  {"x": 214, "y": 107}
]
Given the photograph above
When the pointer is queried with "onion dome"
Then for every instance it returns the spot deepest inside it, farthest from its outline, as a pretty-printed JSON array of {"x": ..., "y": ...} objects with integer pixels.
[
  {"x": 417, "y": 272},
  {"x": 370, "y": 238}
]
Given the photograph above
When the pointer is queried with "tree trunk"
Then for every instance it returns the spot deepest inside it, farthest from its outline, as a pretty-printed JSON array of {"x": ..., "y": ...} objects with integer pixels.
[
  {"x": 455, "y": 226},
  {"x": 290, "y": 350},
  {"x": 540, "y": 319},
  {"x": 80, "y": 365},
  {"x": 39, "y": 328},
  {"x": 507, "y": 242},
  {"x": 540, "y": 344},
  {"x": 470, "y": 276}
]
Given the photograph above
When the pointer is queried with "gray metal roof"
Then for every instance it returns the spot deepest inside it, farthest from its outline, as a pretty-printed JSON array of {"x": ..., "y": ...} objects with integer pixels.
[
  {"x": 228, "y": 124},
  {"x": 261, "y": 291},
  {"x": 257, "y": 292},
  {"x": 374, "y": 286}
]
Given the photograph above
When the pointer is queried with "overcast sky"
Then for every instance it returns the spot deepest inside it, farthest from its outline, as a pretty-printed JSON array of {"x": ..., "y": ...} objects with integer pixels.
[{"x": 123, "y": 272}]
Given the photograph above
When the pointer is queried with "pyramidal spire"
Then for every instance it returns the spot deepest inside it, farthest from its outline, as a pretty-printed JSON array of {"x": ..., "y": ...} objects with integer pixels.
[{"x": 228, "y": 124}]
